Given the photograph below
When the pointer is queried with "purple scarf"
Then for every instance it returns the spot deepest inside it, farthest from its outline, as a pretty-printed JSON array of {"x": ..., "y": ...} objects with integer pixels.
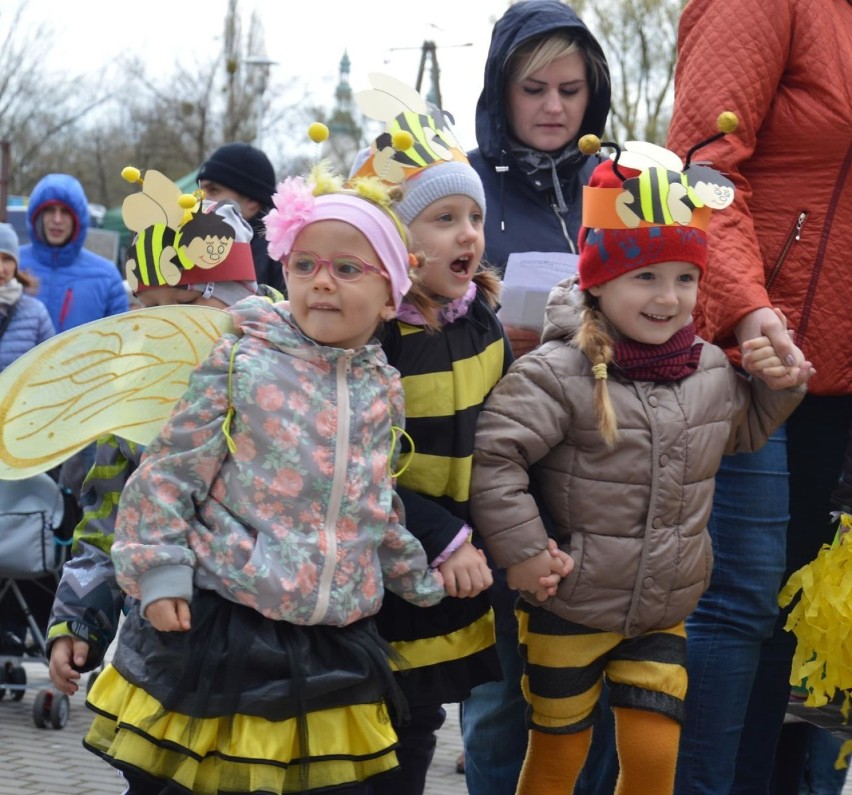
[{"x": 447, "y": 314}]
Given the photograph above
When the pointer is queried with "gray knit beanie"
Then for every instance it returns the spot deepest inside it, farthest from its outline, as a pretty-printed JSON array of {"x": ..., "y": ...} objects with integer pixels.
[
  {"x": 9, "y": 241},
  {"x": 449, "y": 178}
]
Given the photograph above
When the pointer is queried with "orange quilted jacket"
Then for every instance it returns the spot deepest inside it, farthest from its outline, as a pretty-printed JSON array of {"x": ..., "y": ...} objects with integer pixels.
[{"x": 785, "y": 68}]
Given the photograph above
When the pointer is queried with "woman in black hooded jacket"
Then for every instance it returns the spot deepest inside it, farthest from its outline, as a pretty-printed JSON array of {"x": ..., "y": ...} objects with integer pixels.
[
  {"x": 534, "y": 192},
  {"x": 546, "y": 85}
]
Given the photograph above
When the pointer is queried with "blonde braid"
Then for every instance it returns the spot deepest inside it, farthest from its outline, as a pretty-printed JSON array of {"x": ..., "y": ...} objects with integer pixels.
[{"x": 593, "y": 338}]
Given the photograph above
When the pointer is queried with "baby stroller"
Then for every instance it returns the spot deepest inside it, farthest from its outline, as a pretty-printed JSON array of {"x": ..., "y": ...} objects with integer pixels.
[{"x": 32, "y": 548}]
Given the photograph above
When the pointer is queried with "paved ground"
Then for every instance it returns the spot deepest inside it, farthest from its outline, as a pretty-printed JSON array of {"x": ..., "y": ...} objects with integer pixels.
[
  {"x": 52, "y": 762},
  {"x": 47, "y": 761}
]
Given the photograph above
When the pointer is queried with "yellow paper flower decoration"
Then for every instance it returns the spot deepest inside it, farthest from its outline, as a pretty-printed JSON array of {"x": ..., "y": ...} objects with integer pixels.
[{"x": 822, "y": 622}]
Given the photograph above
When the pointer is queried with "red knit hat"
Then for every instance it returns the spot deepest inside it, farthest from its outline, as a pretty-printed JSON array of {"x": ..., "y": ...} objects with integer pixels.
[{"x": 609, "y": 247}]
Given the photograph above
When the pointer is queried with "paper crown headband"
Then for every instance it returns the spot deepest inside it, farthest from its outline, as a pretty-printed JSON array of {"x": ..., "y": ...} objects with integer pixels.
[
  {"x": 666, "y": 191},
  {"x": 179, "y": 240},
  {"x": 416, "y": 135}
]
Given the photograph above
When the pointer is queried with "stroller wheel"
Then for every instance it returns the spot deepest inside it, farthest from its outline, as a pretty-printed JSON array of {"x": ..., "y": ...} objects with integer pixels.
[
  {"x": 18, "y": 676},
  {"x": 59, "y": 710},
  {"x": 51, "y": 707},
  {"x": 41, "y": 708}
]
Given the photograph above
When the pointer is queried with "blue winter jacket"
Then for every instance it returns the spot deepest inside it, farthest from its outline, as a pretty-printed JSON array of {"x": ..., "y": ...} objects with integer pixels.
[
  {"x": 29, "y": 326},
  {"x": 76, "y": 285},
  {"x": 522, "y": 208}
]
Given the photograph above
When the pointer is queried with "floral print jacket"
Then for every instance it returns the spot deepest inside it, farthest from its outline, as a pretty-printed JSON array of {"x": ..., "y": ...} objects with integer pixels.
[{"x": 299, "y": 519}]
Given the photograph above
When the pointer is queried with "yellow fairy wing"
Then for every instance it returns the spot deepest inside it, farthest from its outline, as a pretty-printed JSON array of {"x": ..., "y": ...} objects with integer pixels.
[{"x": 122, "y": 375}]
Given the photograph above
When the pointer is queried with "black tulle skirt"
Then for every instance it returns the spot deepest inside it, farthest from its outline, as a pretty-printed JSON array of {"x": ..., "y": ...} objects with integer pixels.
[{"x": 244, "y": 704}]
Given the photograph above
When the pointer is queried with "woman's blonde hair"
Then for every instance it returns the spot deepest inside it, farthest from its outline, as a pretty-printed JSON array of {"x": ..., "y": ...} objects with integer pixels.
[
  {"x": 594, "y": 338},
  {"x": 538, "y": 53}
]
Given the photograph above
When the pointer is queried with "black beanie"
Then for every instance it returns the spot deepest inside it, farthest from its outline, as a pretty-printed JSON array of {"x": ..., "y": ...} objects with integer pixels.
[{"x": 243, "y": 169}]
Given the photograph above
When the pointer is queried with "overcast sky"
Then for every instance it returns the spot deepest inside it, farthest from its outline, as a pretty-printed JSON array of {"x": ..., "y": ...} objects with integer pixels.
[{"x": 306, "y": 39}]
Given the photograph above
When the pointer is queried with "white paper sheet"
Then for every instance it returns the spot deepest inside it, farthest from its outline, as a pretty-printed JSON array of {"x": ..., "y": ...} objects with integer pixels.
[{"x": 527, "y": 282}]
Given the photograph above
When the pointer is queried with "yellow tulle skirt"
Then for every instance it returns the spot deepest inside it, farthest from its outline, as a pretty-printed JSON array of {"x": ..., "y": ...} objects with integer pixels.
[
  {"x": 242, "y": 704},
  {"x": 240, "y": 754}
]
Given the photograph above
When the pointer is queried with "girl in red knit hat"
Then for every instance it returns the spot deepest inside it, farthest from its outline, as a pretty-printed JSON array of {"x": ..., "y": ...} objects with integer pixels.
[{"x": 622, "y": 416}]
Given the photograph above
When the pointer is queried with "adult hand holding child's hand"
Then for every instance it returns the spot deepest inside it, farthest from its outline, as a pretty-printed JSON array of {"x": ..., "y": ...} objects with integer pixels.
[{"x": 768, "y": 351}]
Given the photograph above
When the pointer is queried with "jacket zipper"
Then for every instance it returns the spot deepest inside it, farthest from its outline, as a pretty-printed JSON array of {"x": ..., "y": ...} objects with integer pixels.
[
  {"x": 341, "y": 460},
  {"x": 66, "y": 305},
  {"x": 501, "y": 170},
  {"x": 793, "y": 237}
]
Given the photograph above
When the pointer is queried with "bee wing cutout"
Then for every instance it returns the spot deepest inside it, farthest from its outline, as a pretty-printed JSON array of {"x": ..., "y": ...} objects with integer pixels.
[
  {"x": 157, "y": 203},
  {"x": 438, "y": 146},
  {"x": 388, "y": 98},
  {"x": 643, "y": 155},
  {"x": 122, "y": 374}
]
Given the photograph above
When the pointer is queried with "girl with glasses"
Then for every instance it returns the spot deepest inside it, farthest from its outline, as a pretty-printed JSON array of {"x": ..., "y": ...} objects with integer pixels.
[{"x": 261, "y": 529}]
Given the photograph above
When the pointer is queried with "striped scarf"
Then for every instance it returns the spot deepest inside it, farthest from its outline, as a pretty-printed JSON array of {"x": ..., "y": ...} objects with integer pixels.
[{"x": 674, "y": 360}]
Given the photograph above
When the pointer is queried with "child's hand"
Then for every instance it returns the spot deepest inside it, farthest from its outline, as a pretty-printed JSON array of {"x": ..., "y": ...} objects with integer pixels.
[
  {"x": 466, "y": 572},
  {"x": 169, "y": 615},
  {"x": 522, "y": 340},
  {"x": 561, "y": 566},
  {"x": 541, "y": 573},
  {"x": 762, "y": 360},
  {"x": 65, "y": 654}
]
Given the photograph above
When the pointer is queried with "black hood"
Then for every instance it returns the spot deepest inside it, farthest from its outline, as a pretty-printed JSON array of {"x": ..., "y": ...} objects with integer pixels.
[{"x": 521, "y": 22}]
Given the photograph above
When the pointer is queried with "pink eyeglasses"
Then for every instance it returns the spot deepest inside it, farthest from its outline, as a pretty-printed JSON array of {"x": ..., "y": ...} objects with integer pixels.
[{"x": 342, "y": 267}]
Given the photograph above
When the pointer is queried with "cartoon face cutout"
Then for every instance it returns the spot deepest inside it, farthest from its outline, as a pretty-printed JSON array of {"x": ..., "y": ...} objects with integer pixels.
[
  {"x": 209, "y": 251},
  {"x": 715, "y": 190},
  {"x": 206, "y": 239}
]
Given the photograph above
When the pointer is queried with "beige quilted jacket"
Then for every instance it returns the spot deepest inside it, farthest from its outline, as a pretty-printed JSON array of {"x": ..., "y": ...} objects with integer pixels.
[
  {"x": 785, "y": 68},
  {"x": 633, "y": 518}
]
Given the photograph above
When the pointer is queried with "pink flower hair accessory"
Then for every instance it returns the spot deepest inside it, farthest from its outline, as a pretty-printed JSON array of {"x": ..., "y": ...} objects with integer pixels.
[{"x": 294, "y": 207}]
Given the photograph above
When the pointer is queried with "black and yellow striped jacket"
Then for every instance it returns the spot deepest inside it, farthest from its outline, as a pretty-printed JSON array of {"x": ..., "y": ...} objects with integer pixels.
[{"x": 446, "y": 378}]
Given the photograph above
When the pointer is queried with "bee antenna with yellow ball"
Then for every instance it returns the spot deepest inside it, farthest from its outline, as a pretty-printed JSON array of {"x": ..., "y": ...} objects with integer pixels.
[
  {"x": 131, "y": 174},
  {"x": 590, "y": 145},
  {"x": 189, "y": 202},
  {"x": 726, "y": 122},
  {"x": 318, "y": 133}
]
